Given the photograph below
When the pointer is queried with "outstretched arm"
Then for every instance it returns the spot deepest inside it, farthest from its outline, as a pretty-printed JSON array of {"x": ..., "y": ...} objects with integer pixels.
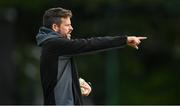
[{"x": 63, "y": 46}]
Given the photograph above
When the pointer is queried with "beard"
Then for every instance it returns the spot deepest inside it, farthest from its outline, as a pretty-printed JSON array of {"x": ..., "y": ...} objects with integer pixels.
[
  {"x": 65, "y": 35},
  {"x": 68, "y": 36}
]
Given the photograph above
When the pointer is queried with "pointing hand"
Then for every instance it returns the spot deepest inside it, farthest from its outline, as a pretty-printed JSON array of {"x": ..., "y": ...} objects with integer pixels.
[{"x": 134, "y": 41}]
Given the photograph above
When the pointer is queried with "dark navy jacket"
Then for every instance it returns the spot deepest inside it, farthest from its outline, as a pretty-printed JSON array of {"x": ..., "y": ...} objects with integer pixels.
[{"x": 58, "y": 74}]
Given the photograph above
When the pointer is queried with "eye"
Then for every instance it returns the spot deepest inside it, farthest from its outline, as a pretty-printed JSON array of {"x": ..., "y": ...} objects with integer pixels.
[{"x": 68, "y": 24}]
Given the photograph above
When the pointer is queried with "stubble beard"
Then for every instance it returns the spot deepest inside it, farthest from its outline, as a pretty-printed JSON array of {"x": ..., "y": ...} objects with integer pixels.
[{"x": 69, "y": 36}]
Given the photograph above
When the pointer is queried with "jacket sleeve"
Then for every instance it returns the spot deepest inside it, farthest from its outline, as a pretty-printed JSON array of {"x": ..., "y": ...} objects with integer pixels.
[{"x": 63, "y": 46}]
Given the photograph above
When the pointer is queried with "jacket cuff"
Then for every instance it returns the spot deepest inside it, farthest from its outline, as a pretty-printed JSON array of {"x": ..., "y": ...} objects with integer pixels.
[{"x": 123, "y": 39}]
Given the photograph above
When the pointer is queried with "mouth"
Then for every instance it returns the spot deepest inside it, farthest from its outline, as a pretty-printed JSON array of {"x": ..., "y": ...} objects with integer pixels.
[{"x": 69, "y": 32}]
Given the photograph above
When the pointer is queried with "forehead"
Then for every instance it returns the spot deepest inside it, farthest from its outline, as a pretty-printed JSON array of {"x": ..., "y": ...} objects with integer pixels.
[{"x": 66, "y": 20}]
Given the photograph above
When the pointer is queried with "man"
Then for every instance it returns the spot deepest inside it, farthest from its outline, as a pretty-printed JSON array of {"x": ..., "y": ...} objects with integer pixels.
[{"x": 58, "y": 74}]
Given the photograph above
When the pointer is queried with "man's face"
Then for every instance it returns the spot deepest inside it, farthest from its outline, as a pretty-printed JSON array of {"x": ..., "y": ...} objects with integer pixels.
[{"x": 64, "y": 28}]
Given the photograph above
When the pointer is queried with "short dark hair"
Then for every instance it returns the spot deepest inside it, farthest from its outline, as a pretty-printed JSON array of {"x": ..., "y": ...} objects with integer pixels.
[{"x": 54, "y": 15}]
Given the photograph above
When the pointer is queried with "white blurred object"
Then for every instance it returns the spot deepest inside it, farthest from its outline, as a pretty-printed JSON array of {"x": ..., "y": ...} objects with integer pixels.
[{"x": 81, "y": 81}]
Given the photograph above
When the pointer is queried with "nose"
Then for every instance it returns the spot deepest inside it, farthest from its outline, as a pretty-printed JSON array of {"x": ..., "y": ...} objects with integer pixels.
[{"x": 71, "y": 28}]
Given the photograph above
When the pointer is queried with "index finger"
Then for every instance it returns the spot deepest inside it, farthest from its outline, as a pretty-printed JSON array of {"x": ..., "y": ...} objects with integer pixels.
[{"x": 142, "y": 38}]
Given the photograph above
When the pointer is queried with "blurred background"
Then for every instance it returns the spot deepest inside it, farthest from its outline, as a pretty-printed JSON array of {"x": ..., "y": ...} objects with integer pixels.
[{"x": 125, "y": 76}]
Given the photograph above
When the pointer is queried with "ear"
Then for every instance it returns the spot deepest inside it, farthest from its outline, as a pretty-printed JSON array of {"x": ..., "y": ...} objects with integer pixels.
[{"x": 55, "y": 27}]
